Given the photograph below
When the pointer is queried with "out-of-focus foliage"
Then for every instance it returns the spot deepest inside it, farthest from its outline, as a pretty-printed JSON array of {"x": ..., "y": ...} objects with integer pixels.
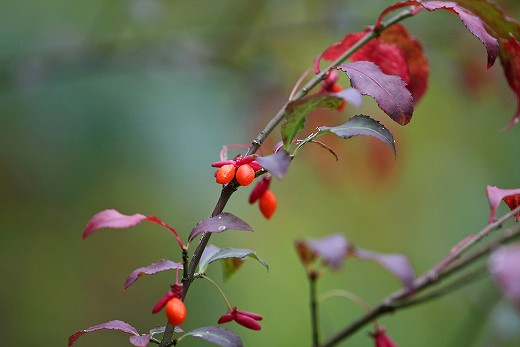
[{"x": 124, "y": 104}]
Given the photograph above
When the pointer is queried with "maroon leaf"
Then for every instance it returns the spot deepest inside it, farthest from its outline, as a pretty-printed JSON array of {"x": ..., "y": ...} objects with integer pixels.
[
  {"x": 510, "y": 59},
  {"x": 222, "y": 222},
  {"x": 416, "y": 61},
  {"x": 495, "y": 195},
  {"x": 112, "y": 325},
  {"x": 388, "y": 56},
  {"x": 140, "y": 341},
  {"x": 504, "y": 265},
  {"x": 389, "y": 91},
  {"x": 333, "y": 249},
  {"x": 397, "y": 264},
  {"x": 112, "y": 219},
  {"x": 216, "y": 335},
  {"x": 473, "y": 23},
  {"x": 277, "y": 164},
  {"x": 161, "y": 265}
]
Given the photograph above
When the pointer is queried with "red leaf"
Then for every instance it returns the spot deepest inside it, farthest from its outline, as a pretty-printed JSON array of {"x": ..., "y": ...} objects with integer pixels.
[
  {"x": 161, "y": 265},
  {"x": 504, "y": 265},
  {"x": 112, "y": 219},
  {"x": 510, "y": 59},
  {"x": 398, "y": 264},
  {"x": 473, "y": 23},
  {"x": 418, "y": 67},
  {"x": 389, "y": 91},
  {"x": 388, "y": 56},
  {"x": 495, "y": 195},
  {"x": 112, "y": 325}
]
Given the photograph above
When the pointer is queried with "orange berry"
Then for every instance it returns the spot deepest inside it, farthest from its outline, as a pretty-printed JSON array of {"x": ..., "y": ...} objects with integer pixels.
[
  {"x": 175, "y": 311},
  {"x": 225, "y": 174},
  {"x": 267, "y": 204},
  {"x": 245, "y": 174}
]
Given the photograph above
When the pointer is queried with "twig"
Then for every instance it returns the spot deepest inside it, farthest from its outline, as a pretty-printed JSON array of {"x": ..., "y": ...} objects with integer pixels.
[{"x": 408, "y": 297}]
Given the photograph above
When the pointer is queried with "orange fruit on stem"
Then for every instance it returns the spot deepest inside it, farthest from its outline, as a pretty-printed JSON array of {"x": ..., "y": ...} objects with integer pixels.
[
  {"x": 225, "y": 174},
  {"x": 245, "y": 174},
  {"x": 267, "y": 204},
  {"x": 175, "y": 311}
]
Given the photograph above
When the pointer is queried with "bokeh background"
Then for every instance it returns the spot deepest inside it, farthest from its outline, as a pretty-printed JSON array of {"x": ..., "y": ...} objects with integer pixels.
[{"x": 125, "y": 103}]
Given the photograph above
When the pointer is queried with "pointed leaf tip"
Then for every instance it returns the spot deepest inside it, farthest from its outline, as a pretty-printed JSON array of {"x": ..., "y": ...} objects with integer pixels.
[
  {"x": 111, "y": 325},
  {"x": 112, "y": 219},
  {"x": 397, "y": 264},
  {"x": 159, "y": 266},
  {"x": 510, "y": 196}
]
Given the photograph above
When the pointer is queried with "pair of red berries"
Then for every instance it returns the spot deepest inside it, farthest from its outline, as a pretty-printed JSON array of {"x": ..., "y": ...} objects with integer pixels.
[{"x": 245, "y": 174}]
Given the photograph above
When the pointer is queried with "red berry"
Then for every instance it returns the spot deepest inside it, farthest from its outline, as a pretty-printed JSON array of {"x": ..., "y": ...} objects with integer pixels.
[
  {"x": 267, "y": 204},
  {"x": 175, "y": 311},
  {"x": 260, "y": 189},
  {"x": 225, "y": 174},
  {"x": 245, "y": 175}
]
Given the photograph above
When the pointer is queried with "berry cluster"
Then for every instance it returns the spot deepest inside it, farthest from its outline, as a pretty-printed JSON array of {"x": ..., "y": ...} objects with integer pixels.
[{"x": 242, "y": 168}]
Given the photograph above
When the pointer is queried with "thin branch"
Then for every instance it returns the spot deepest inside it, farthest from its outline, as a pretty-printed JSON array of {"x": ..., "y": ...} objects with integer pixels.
[
  {"x": 314, "y": 310},
  {"x": 408, "y": 297}
]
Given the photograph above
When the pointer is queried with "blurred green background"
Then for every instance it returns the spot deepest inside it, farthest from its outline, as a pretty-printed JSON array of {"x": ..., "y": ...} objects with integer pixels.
[{"x": 125, "y": 103}]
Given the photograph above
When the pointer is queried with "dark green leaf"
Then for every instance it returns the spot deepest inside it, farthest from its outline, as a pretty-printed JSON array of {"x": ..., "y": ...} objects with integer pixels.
[
  {"x": 216, "y": 335},
  {"x": 296, "y": 113},
  {"x": 231, "y": 253},
  {"x": 361, "y": 125}
]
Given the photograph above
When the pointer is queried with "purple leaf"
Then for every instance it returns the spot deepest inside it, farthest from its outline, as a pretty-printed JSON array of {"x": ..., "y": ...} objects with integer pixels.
[
  {"x": 362, "y": 125},
  {"x": 277, "y": 164},
  {"x": 397, "y": 264},
  {"x": 218, "y": 224},
  {"x": 473, "y": 23},
  {"x": 112, "y": 219},
  {"x": 216, "y": 335},
  {"x": 332, "y": 249},
  {"x": 389, "y": 91},
  {"x": 161, "y": 265},
  {"x": 504, "y": 265},
  {"x": 495, "y": 195},
  {"x": 351, "y": 96},
  {"x": 112, "y": 325},
  {"x": 140, "y": 341}
]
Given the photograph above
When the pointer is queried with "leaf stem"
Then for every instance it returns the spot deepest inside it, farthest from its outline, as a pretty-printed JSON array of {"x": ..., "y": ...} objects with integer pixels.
[{"x": 219, "y": 289}]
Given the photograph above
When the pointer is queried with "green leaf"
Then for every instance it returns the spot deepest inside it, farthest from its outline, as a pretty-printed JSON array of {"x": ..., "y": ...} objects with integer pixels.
[
  {"x": 361, "y": 125},
  {"x": 226, "y": 253},
  {"x": 297, "y": 111}
]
